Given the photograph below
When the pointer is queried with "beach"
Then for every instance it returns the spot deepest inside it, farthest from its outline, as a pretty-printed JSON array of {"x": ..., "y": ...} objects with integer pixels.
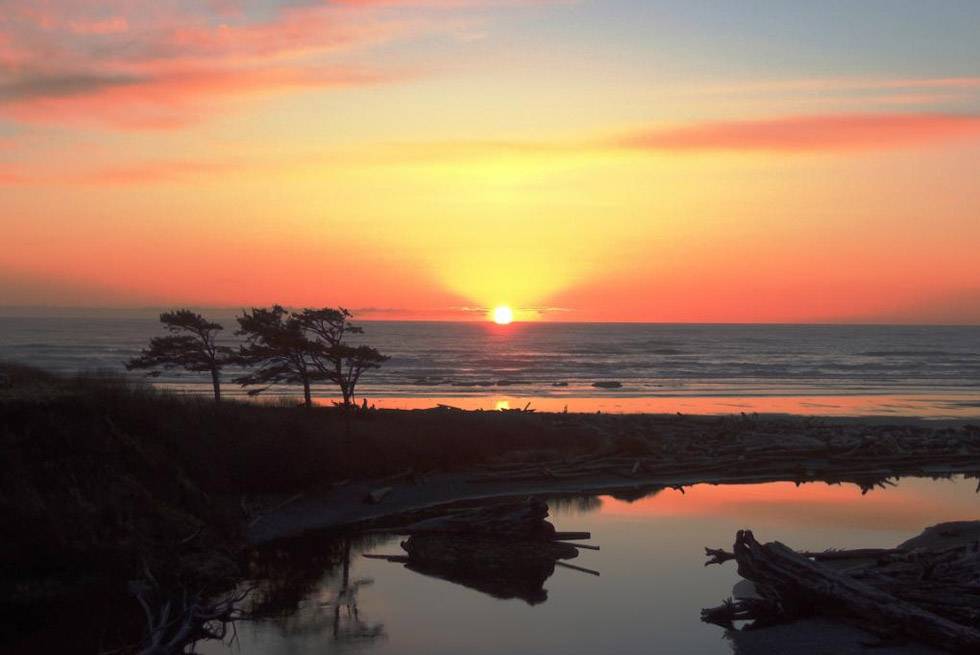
[{"x": 816, "y": 370}]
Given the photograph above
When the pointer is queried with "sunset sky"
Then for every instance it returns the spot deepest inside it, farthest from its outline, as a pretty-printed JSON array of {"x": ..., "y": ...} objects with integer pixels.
[{"x": 577, "y": 160}]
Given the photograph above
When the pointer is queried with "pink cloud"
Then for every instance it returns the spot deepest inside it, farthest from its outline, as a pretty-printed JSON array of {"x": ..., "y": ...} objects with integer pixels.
[
  {"x": 807, "y": 133},
  {"x": 113, "y": 25},
  {"x": 163, "y": 65},
  {"x": 181, "y": 95},
  {"x": 10, "y": 178}
]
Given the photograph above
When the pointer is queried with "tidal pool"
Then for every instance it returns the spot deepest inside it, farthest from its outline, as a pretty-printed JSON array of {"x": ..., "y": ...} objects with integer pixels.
[{"x": 319, "y": 594}]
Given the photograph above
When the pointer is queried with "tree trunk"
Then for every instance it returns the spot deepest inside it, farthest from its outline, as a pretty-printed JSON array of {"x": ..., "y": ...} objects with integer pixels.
[
  {"x": 216, "y": 383},
  {"x": 344, "y": 390},
  {"x": 307, "y": 398},
  {"x": 351, "y": 401}
]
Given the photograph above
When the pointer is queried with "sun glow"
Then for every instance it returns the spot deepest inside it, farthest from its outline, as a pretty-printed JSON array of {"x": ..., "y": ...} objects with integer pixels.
[{"x": 503, "y": 315}]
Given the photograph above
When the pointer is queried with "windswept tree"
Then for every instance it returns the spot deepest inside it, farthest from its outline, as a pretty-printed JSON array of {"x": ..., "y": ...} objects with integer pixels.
[
  {"x": 277, "y": 350},
  {"x": 332, "y": 356},
  {"x": 354, "y": 360},
  {"x": 191, "y": 346}
]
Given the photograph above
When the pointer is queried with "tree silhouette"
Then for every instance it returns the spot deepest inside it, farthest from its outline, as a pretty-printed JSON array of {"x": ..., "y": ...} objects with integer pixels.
[
  {"x": 338, "y": 361},
  {"x": 190, "y": 346},
  {"x": 277, "y": 348},
  {"x": 354, "y": 361}
]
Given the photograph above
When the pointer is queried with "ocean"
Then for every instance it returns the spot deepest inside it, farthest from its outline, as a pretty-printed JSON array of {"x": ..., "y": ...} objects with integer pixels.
[{"x": 812, "y": 369}]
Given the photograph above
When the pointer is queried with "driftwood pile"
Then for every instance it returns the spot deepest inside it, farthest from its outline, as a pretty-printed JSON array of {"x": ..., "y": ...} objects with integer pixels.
[
  {"x": 506, "y": 550},
  {"x": 747, "y": 447},
  {"x": 174, "y": 624},
  {"x": 927, "y": 589}
]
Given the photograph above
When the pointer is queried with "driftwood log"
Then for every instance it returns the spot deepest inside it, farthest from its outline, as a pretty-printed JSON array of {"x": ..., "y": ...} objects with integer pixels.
[
  {"x": 176, "y": 623},
  {"x": 506, "y": 550},
  {"x": 927, "y": 589},
  {"x": 753, "y": 447}
]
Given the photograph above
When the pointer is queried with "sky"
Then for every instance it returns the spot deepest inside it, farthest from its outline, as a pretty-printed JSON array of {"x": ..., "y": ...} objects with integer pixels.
[{"x": 578, "y": 160}]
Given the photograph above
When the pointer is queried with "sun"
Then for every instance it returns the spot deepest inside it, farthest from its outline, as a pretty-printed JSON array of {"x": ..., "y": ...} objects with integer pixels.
[{"x": 503, "y": 315}]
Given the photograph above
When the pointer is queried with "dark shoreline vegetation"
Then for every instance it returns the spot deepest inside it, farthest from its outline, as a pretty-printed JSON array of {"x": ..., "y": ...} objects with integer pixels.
[{"x": 109, "y": 487}]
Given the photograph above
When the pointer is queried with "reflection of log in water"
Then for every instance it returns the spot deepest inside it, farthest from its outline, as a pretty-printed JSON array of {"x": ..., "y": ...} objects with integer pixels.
[
  {"x": 491, "y": 566},
  {"x": 927, "y": 588},
  {"x": 506, "y": 550}
]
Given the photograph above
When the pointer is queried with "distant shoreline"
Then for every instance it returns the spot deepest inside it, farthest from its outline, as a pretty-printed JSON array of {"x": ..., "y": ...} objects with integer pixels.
[{"x": 151, "y": 312}]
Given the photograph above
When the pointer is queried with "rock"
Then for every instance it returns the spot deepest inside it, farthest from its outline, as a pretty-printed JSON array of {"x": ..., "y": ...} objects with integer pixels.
[
  {"x": 375, "y": 496},
  {"x": 945, "y": 535}
]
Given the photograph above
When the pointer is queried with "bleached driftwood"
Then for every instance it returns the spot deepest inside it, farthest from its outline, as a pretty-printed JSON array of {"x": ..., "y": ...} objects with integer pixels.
[
  {"x": 173, "y": 624},
  {"x": 930, "y": 593},
  {"x": 866, "y": 455}
]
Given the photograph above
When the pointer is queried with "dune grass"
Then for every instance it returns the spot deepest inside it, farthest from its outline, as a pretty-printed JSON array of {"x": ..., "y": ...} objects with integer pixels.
[{"x": 102, "y": 476}]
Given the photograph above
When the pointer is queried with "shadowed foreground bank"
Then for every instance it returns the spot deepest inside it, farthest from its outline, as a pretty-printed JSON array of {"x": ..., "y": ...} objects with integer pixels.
[{"x": 104, "y": 482}]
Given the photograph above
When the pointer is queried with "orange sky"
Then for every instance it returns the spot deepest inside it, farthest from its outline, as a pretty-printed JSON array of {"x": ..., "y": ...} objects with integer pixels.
[{"x": 661, "y": 161}]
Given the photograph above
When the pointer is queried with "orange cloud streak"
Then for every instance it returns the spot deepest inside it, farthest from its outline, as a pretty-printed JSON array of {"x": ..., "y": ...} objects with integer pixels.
[{"x": 808, "y": 133}]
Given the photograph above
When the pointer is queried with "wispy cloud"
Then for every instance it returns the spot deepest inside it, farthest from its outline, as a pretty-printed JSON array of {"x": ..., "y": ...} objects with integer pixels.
[
  {"x": 838, "y": 84},
  {"x": 869, "y": 93},
  {"x": 788, "y": 135},
  {"x": 806, "y": 133},
  {"x": 9, "y": 177},
  {"x": 163, "y": 65}
]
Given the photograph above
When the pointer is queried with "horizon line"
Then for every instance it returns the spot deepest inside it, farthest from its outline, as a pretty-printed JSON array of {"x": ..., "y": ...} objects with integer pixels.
[{"x": 69, "y": 311}]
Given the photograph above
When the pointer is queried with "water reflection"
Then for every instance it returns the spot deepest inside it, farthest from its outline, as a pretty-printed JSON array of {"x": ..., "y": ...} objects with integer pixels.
[
  {"x": 576, "y": 504},
  {"x": 304, "y": 587},
  {"x": 347, "y": 622},
  {"x": 504, "y": 549},
  {"x": 317, "y": 596},
  {"x": 693, "y": 401},
  {"x": 521, "y": 579}
]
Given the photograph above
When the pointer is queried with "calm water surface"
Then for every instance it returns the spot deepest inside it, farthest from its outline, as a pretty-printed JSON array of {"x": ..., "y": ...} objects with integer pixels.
[{"x": 647, "y": 598}]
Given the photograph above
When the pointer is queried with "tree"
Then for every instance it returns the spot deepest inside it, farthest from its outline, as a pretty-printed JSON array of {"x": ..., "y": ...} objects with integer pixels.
[
  {"x": 340, "y": 362},
  {"x": 353, "y": 362},
  {"x": 278, "y": 350},
  {"x": 191, "y": 345}
]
